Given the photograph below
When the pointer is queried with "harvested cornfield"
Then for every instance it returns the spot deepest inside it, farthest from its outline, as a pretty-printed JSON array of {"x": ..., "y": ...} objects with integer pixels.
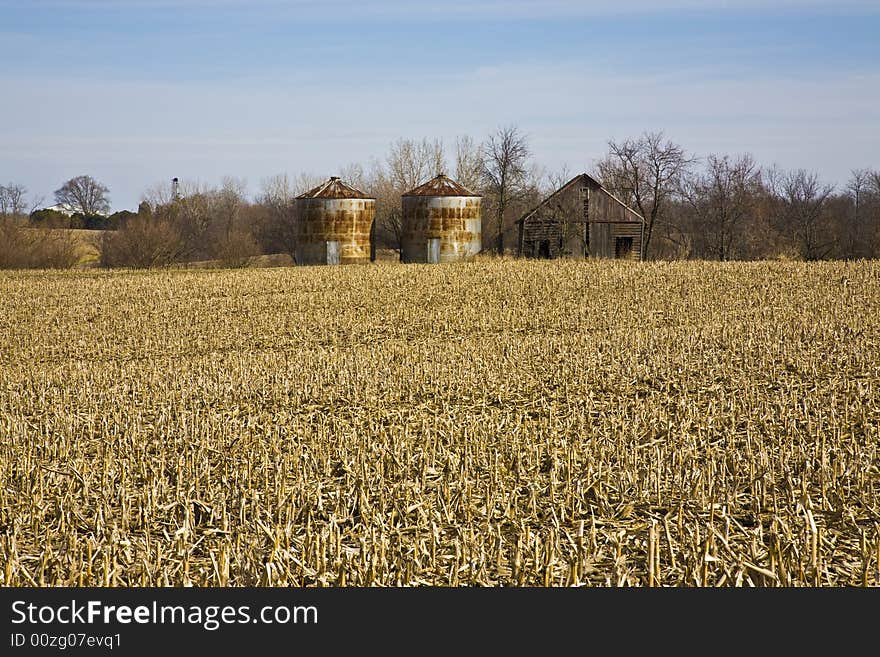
[{"x": 506, "y": 423}]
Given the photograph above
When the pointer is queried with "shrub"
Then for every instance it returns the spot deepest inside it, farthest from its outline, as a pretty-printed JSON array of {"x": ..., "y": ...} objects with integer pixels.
[
  {"x": 142, "y": 242},
  {"x": 36, "y": 248}
]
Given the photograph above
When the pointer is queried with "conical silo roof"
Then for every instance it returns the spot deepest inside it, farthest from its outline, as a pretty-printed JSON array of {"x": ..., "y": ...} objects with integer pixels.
[
  {"x": 440, "y": 185},
  {"x": 333, "y": 188}
]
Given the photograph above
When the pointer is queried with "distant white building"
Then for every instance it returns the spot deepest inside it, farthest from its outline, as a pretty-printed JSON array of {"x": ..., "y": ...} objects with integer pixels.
[{"x": 63, "y": 208}]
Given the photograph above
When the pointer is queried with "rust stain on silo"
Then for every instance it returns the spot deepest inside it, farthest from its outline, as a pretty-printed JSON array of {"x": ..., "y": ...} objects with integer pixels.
[
  {"x": 441, "y": 210},
  {"x": 333, "y": 223}
]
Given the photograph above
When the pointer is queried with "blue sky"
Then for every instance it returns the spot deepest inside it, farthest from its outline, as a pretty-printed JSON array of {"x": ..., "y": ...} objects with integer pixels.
[{"x": 136, "y": 92}]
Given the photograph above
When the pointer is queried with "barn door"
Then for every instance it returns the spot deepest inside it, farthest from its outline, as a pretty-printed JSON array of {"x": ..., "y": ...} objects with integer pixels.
[
  {"x": 623, "y": 247},
  {"x": 332, "y": 253},
  {"x": 433, "y": 250},
  {"x": 601, "y": 242}
]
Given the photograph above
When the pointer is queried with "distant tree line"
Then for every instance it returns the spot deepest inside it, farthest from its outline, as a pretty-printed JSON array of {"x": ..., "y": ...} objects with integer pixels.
[
  {"x": 24, "y": 247},
  {"x": 717, "y": 207},
  {"x": 724, "y": 207}
]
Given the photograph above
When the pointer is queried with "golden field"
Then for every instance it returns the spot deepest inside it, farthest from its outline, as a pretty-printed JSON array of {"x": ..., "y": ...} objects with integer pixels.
[{"x": 498, "y": 423}]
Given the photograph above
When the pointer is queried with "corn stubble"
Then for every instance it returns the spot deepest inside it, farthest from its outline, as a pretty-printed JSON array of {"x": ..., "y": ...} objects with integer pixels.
[{"x": 494, "y": 423}]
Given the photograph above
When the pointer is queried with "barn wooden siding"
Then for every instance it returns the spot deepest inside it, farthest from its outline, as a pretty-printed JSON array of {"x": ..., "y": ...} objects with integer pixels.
[{"x": 581, "y": 219}]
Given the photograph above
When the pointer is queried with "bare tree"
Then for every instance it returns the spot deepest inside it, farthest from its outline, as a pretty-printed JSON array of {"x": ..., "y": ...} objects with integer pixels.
[
  {"x": 556, "y": 179},
  {"x": 163, "y": 193},
  {"x": 277, "y": 228},
  {"x": 645, "y": 172},
  {"x": 191, "y": 215},
  {"x": 231, "y": 240},
  {"x": 468, "y": 163},
  {"x": 437, "y": 157},
  {"x": 802, "y": 200},
  {"x": 12, "y": 201},
  {"x": 28, "y": 248},
  {"x": 858, "y": 186},
  {"x": 874, "y": 213},
  {"x": 505, "y": 174},
  {"x": 36, "y": 202},
  {"x": 389, "y": 215},
  {"x": 408, "y": 164},
  {"x": 870, "y": 212},
  {"x": 721, "y": 199},
  {"x": 304, "y": 181},
  {"x": 355, "y": 175},
  {"x": 143, "y": 242},
  {"x": 855, "y": 228},
  {"x": 85, "y": 195},
  {"x": 188, "y": 214},
  {"x": 157, "y": 195},
  {"x": 226, "y": 204}
]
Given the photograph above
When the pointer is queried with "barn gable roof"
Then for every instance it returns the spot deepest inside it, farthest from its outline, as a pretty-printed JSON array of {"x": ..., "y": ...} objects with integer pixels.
[{"x": 584, "y": 179}]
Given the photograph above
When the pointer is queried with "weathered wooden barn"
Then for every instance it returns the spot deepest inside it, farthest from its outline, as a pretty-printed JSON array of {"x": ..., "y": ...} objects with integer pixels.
[{"x": 581, "y": 219}]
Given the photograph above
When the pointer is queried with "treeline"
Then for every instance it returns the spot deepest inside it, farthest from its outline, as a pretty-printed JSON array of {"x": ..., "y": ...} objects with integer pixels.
[
  {"x": 716, "y": 207},
  {"x": 724, "y": 207}
]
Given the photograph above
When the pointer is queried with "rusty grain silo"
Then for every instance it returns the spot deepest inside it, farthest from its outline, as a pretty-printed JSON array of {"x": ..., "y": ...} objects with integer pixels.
[
  {"x": 441, "y": 222},
  {"x": 333, "y": 225}
]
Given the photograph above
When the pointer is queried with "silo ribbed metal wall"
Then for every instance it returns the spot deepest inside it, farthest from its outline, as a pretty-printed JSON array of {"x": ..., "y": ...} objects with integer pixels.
[
  {"x": 455, "y": 220},
  {"x": 343, "y": 220}
]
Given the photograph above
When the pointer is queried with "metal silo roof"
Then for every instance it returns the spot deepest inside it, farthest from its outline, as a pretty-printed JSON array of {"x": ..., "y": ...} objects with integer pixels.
[
  {"x": 440, "y": 186},
  {"x": 333, "y": 188}
]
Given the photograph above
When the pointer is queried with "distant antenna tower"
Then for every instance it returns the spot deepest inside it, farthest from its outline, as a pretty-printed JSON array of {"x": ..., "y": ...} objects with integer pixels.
[{"x": 175, "y": 189}]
